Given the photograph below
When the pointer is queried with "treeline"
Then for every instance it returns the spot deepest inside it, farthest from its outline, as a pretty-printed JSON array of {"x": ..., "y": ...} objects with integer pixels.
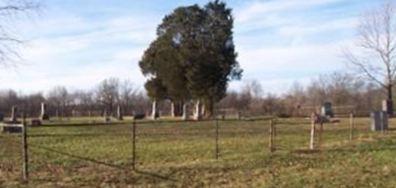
[
  {"x": 345, "y": 92},
  {"x": 104, "y": 98}
]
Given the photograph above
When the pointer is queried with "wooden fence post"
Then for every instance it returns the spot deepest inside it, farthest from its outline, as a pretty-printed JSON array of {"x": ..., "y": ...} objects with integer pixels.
[
  {"x": 351, "y": 126},
  {"x": 25, "y": 159},
  {"x": 320, "y": 134},
  {"x": 217, "y": 139},
  {"x": 312, "y": 141},
  {"x": 271, "y": 137},
  {"x": 134, "y": 145}
]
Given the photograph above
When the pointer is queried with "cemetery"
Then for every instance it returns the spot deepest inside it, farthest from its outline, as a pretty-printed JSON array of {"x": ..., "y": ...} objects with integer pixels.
[
  {"x": 197, "y": 93},
  {"x": 148, "y": 150}
]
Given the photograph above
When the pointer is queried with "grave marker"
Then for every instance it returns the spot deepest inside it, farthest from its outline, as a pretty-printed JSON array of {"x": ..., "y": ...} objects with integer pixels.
[
  {"x": 14, "y": 111},
  {"x": 43, "y": 114},
  {"x": 119, "y": 113},
  {"x": 379, "y": 121}
]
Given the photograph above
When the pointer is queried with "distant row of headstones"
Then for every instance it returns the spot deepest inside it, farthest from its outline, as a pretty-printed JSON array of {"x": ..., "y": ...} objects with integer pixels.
[
  {"x": 379, "y": 119},
  {"x": 44, "y": 116},
  {"x": 14, "y": 114}
]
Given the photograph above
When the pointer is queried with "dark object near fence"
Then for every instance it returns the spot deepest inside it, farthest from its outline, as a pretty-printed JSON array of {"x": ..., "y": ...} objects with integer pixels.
[
  {"x": 139, "y": 116},
  {"x": 284, "y": 115},
  {"x": 379, "y": 121},
  {"x": 1, "y": 117},
  {"x": 319, "y": 118},
  {"x": 327, "y": 110},
  {"x": 107, "y": 119},
  {"x": 36, "y": 122},
  {"x": 335, "y": 121},
  {"x": 45, "y": 117},
  {"x": 11, "y": 128}
]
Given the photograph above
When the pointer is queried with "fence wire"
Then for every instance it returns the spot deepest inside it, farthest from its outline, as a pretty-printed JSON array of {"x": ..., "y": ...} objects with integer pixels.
[{"x": 97, "y": 153}]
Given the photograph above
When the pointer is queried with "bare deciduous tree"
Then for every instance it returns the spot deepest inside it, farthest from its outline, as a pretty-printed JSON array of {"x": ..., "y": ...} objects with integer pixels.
[
  {"x": 10, "y": 43},
  {"x": 375, "y": 54},
  {"x": 127, "y": 93},
  {"x": 59, "y": 98},
  {"x": 108, "y": 94}
]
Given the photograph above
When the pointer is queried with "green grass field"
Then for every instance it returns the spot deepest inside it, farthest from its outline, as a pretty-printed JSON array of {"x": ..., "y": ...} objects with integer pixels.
[{"x": 182, "y": 154}]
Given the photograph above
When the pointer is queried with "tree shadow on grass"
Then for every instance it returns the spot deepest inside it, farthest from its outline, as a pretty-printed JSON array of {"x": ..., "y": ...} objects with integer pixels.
[
  {"x": 79, "y": 157},
  {"x": 78, "y": 135},
  {"x": 360, "y": 150},
  {"x": 306, "y": 151},
  {"x": 155, "y": 175},
  {"x": 119, "y": 167}
]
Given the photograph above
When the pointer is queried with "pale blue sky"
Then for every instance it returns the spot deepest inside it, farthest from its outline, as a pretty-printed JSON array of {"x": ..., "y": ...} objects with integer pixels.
[{"x": 78, "y": 43}]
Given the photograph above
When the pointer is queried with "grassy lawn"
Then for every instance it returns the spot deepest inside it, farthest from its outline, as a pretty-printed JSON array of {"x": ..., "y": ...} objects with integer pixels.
[{"x": 182, "y": 154}]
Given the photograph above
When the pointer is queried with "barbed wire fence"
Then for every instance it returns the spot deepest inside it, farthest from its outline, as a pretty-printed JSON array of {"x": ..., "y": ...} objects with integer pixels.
[{"x": 145, "y": 144}]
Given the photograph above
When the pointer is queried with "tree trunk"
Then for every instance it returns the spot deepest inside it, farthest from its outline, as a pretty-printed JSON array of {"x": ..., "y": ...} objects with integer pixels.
[
  {"x": 173, "y": 109},
  {"x": 197, "y": 112},
  {"x": 209, "y": 109},
  {"x": 179, "y": 108},
  {"x": 185, "y": 113},
  {"x": 390, "y": 100},
  {"x": 203, "y": 110},
  {"x": 154, "y": 111},
  {"x": 176, "y": 109}
]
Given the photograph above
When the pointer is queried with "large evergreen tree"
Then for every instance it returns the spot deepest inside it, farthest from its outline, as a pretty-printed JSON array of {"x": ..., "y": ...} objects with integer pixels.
[
  {"x": 194, "y": 55},
  {"x": 216, "y": 65}
]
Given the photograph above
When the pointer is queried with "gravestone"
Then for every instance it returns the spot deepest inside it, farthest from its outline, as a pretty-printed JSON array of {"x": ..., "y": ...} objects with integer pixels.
[
  {"x": 387, "y": 107},
  {"x": 327, "y": 110},
  {"x": 119, "y": 113},
  {"x": 185, "y": 112},
  {"x": 14, "y": 111},
  {"x": 379, "y": 121},
  {"x": 43, "y": 114}
]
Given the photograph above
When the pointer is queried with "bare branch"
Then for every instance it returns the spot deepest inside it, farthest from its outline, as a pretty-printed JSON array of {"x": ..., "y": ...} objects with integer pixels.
[
  {"x": 362, "y": 67},
  {"x": 9, "y": 42},
  {"x": 377, "y": 42}
]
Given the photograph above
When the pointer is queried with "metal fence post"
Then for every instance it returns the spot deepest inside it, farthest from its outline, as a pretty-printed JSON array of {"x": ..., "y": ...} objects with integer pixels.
[
  {"x": 217, "y": 139},
  {"x": 25, "y": 159},
  {"x": 312, "y": 141},
  {"x": 351, "y": 126},
  {"x": 320, "y": 136},
  {"x": 271, "y": 137},
  {"x": 134, "y": 145}
]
